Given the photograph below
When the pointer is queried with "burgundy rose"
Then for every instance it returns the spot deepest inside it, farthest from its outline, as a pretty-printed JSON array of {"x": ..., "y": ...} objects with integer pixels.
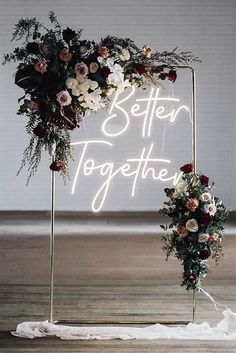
[
  {"x": 40, "y": 131},
  {"x": 106, "y": 71},
  {"x": 140, "y": 68},
  {"x": 68, "y": 34},
  {"x": 69, "y": 117},
  {"x": 191, "y": 276},
  {"x": 56, "y": 166},
  {"x": 206, "y": 219},
  {"x": 187, "y": 168},
  {"x": 204, "y": 254},
  {"x": 65, "y": 119},
  {"x": 204, "y": 180},
  {"x": 172, "y": 76}
]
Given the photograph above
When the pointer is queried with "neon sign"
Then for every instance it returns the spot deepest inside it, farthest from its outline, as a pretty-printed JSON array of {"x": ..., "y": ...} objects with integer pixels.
[{"x": 135, "y": 168}]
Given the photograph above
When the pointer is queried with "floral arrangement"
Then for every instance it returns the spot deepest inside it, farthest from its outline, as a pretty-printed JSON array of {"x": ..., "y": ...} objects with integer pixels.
[
  {"x": 196, "y": 225},
  {"x": 65, "y": 77}
]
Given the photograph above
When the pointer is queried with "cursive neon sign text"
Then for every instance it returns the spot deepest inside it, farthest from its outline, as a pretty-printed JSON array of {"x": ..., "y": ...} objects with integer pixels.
[{"x": 136, "y": 167}]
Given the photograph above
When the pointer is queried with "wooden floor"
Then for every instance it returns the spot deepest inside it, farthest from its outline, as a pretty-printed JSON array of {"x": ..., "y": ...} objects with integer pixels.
[{"x": 103, "y": 278}]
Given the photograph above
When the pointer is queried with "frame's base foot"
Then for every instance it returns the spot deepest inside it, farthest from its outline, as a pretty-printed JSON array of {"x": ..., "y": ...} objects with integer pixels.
[{"x": 134, "y": 322}]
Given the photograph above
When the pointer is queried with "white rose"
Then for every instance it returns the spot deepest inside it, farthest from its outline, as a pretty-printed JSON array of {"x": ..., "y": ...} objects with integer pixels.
[
  {"x": 192, "y": 225},
  {"x": 116, "y": 78},
  {"x": 93, "y": 85},
  {"x": 76, "y": 91},
  {"x": 125, "y": 55},
  {"x": 205, "y": 197},
  {"x": 83, "y": 87},
  {"x": 210, "y": 208},
  {"x": 180, "y": 189},
  {"x": 203, "y": 237},
  {"x": 80, "y": 79},
  {"x": 71, "y": 82}
]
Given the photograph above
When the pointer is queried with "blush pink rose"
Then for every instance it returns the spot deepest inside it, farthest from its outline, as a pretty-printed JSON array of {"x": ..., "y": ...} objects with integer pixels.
[
  {"x": 81, "y": 69},
  {"x": 63, "y": 98}
]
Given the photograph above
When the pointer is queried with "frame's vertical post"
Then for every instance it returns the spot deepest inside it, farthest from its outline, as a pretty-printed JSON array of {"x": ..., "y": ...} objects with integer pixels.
[
  {"x": 52, "y": 236},
  {"x": 194, "y": 157},
  {"x": 194, "y": 152},
  {"x": 194, "y": 128},
  {"x": 194, "y": 304}
]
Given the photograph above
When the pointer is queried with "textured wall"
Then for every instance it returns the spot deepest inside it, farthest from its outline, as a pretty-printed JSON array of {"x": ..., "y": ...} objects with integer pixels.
[{"x": 206, "y": 27}]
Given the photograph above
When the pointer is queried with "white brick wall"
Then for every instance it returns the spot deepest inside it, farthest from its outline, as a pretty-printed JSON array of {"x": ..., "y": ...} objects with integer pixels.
[{"x": 206, "y": 27}]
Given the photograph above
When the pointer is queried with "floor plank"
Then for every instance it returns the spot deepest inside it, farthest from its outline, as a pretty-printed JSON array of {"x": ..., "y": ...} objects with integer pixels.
[{"x": 102, "y": 277}]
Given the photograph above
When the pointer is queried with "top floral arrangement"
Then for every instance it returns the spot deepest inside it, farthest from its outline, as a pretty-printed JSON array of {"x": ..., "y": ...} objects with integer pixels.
[{"x": 65, "y": 77}]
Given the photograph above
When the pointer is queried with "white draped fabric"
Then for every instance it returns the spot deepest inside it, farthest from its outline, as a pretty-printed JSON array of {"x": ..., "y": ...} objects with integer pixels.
[{"x": 224, "y": 330}]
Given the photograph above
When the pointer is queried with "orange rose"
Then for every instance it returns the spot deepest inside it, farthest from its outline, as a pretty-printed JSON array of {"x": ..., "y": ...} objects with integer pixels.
[
  {"x": 192, "y": 204},
  {"x": 65, "y": 55},
  {"x": 103, "y": 52},
  {"x": 41, "y": 66},
  {"x": 182, "y": 231}
]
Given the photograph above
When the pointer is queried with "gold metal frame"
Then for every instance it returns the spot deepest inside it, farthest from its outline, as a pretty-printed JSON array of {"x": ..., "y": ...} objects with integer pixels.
[{"x": 52, "y": 234}]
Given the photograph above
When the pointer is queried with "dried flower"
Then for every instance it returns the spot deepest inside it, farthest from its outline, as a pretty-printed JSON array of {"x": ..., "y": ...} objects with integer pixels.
[
  {"x": 147, "y": 51},
  {"x": 182, "y": 231},
  {"x": 41, "y": 66},
  {"x": 103, "y": 52},
  {"x": 65, "y": 55},
  {"x": 93, "y": 67}
]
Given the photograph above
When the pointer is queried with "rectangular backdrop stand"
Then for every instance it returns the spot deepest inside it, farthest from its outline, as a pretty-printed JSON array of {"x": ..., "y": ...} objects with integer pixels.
[{"x": 52, "y": 235}]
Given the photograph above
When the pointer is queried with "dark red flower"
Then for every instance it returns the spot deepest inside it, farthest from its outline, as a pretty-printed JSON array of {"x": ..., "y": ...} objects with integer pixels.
[
  {"x": 204, "y": 180},
  {"x": 28, "y": 78},
  {"x": 106, "y": 71},
  {"x": 68, "y": 34},
  {"x": 56, "y": 166},
  {"x": 187, "y": 168},
  {"x": 140, "y": 68},
  {"x": 40, "y": 131},
  {"x": 204, "y": 254},
  {"x": 43, "y": 106},
  {"x": 191, "y": 276},
  {"x": 205, "y": 219},
  {"x": 65, "y": 119},
  {"x": 32, "y": 48},
  {"x": 172, "y": 76}
]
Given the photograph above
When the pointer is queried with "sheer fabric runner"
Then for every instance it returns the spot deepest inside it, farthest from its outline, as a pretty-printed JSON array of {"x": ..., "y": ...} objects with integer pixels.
[{"x": 224, "y": 330}]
